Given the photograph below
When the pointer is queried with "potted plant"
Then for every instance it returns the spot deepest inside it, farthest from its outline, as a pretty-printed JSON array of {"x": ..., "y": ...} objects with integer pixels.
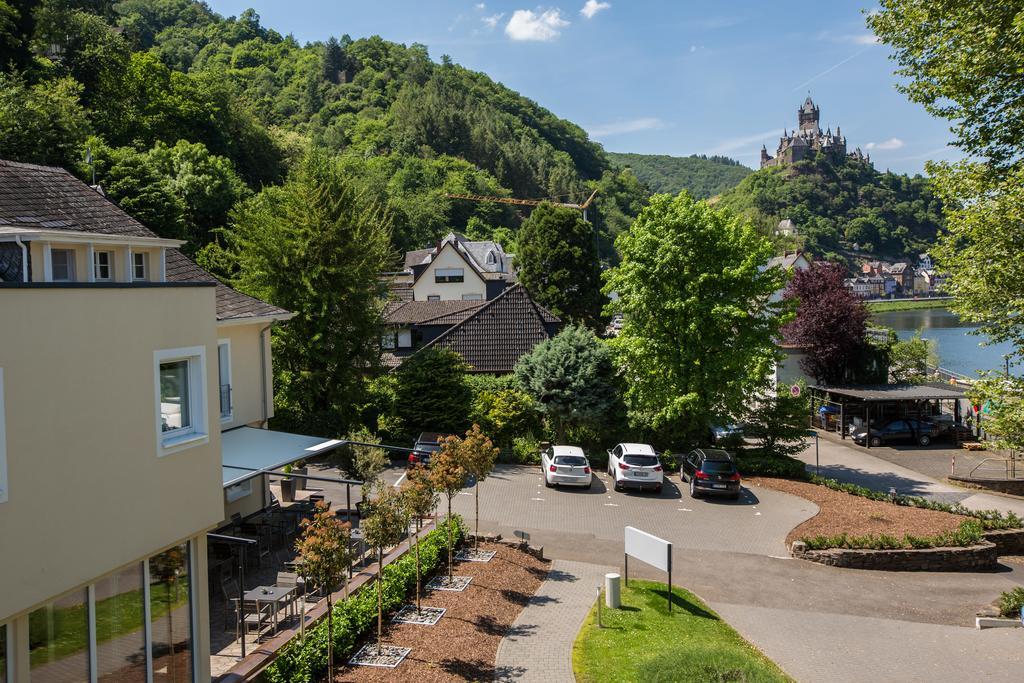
[
  {"x": 287, "y": 485},
  {"x": 299, "y": 470}
]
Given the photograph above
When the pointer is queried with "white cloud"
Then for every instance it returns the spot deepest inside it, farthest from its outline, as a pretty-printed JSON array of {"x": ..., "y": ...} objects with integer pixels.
[
  {"x": 891, "y": 143},
  {"x": 733, "y": 144},
  {"x": 481, "y": 6},
  {"x": 849, "y": 38},
  {"x": 592, "y": 7},
  {"x": 528, "y": 25},
  {"x": 694, "y": 48},
  {"x": 492, "y": 21},
  {"x": 630, "y": 126}
]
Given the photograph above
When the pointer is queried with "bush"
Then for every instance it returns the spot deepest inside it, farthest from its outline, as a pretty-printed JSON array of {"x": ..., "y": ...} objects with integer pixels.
[
  {"x": 1011, "y": 602},
  {"x": 306, "y": 661},
  {"x": 771, "y": 466},
  {"x": 506, "y": 413},
  {"x": 526, "y": 450},
  {"x": 968, "y": 533}
]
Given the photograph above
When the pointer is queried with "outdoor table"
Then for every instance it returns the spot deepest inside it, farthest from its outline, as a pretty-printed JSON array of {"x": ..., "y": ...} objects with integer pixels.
[{"x": 272, "y": 595}]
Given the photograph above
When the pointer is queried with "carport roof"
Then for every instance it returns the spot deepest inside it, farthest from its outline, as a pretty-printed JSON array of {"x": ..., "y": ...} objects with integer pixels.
[{"x": 896, "y": 392}]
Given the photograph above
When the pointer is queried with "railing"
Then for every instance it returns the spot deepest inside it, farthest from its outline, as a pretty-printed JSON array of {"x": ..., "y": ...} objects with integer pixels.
[
  {"x": 1009, "y": 467},
  {"x": 225, "y": 400}
]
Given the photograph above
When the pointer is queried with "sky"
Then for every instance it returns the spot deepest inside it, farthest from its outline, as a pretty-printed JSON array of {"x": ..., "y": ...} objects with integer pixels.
[{"x": 674, "y": 77}]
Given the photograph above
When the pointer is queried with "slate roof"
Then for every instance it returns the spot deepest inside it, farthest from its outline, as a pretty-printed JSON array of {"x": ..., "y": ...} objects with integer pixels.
[
  {"x": 474, "y": 253},
  {"x": 46, "y": 197},
  {"x": 429, "y": 312},
  {"x": 495, "y": 336}
]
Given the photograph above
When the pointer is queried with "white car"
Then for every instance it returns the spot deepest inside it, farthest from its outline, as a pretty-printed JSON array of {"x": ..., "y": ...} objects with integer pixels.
[
  {"x": 565, "y": 465},
  {"x": 635, "y": 464}
]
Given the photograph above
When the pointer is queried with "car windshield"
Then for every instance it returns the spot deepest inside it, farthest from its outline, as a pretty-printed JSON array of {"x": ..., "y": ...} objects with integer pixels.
[
  {"x": 717, "y": 466},
  {"x": 640, "y": 460},
  {"x": 427, "y": 447},
  {"x": 572, "y": 460}
]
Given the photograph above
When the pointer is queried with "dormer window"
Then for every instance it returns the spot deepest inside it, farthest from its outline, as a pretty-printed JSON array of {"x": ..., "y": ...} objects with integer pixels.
[
  {"x": 103, "y": 266},
  {"x": 492, "y": 260},
  {"x": 62, "y": 262},
  {"x": 140, "y": 266}
]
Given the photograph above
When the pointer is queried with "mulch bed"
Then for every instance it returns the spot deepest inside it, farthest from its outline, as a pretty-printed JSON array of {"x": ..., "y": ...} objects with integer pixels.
[
  {"x": 464, "y": 643},
  {"x": 844, "y": 513}
]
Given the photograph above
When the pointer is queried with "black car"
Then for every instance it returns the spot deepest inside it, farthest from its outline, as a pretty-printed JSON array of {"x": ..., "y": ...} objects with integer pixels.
[
  {"x": 712, "y": 471},
  {"x": 426, "y": 445},
  {"x": 909, "y": 429}
]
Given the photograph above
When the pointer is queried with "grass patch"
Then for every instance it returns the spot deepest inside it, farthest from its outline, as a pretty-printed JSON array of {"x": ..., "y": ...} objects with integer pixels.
[
  {"x": 905, "y": 304},
  {"x": 643, "y": 642}
]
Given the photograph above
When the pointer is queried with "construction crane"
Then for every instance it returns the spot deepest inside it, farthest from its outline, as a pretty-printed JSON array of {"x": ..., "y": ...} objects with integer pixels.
[{"x": 524, "y": 202}]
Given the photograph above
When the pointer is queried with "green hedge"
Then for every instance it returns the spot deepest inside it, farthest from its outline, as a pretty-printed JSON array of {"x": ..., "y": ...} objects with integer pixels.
[
  {"x": 305, "y": 662},
  {"x": 771, "y": 466},
  {"x": 968, "y": 533}
]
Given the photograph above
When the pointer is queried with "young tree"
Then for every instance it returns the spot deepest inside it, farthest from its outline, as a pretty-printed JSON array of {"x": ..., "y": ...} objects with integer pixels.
[
  {"x": 572, "y": 377},
  {"x": 779, "y": 422},
  {"x": 367, "y": 462},
  {"x": 325, "y": 553},
  {"x": 479, "y": 455},
  {"x": 909, "y": 359},
  {"x": 421, "y": 500},
  {"x": 431, "y": 392},
  {"x": 699, "y": 329},
  {"x": 448, "y": 476},
  {"x": 830, "y": 322},
  {"x": 382, "y": 528},
  {"x": 316, "y": 246},
  {"x": 1002, "y": 401},
  {"x": 558, "y": 264}
]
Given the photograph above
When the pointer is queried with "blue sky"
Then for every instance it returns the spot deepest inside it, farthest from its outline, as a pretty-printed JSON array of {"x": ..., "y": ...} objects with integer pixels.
[{"x": 684, "y": 77}]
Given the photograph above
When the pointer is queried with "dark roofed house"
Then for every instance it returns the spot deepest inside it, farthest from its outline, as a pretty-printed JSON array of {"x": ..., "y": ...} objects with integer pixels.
[
  {"x": 490, "y": 335},
  {"x": 455, "y": 268}
]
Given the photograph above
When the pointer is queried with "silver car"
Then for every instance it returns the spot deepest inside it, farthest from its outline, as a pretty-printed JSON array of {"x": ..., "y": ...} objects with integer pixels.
[
  {"x": 635, "y": 465},
  {"x": 565, "y": 465}
]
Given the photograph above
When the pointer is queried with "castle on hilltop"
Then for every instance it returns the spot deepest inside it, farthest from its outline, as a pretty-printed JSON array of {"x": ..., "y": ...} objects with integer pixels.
[{"x": 809, "y": 140}]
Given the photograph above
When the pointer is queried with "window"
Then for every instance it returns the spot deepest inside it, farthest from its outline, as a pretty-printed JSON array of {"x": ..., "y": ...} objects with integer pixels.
[
  {"x": 120, "y": 626},
  {"x": 472, "y": 297},
  {"x": 224, "y": 372},
  {"x": 180, "y": 395},
  {"x": 491, "y": 258},
  {"x": 140, "y": 266},
  {"x": 58, "y": 640},
  {"x": 239, "y": 490},
  {"x": 3, "y": 653},
  {"x": 170, "y": 609},
  {"x": 62, "y": 262},
  {"x": 405, "y": 339},
  {"x": 387, "y": 341},
  {"x": 433, "y": 297},
  {"x": 102, "y": 265},
  {"x": 449, "y": 275}
]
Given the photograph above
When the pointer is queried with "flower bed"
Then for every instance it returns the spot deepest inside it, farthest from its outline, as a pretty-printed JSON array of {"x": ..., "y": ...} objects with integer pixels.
[{"x": 306, "y": 661}]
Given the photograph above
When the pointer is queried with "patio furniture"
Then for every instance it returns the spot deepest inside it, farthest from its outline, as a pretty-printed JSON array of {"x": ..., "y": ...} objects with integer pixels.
[
  {"x": 276, "y": 597},
  {"x": 292, "y": 579},
  {"x": 229, "y": 591},
  {"x": 256, "y": 616}
]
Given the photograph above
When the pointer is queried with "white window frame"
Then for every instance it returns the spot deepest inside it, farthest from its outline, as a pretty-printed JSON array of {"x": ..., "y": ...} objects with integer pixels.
[
  {"x": 238, "y": 491},
  {"x": 433, "y": 297},
  {"x": 3, "y": 443},
  {"x": 140, "y": 258},
  {"x": 473, "y": 296},
  {"x": 404, "y": 339},
  {"x": 387, "y": 341},
  {"x": 72, "y": 275},
  {"x": 230, "y": 415},
  {"x": 198, "y": 432},
  {"x": 109, "y": 265}
]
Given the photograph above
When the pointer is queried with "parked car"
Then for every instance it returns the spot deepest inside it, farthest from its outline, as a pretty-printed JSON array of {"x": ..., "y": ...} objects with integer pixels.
[
  {"x": 949, "y": 427},
  {"x": 565, "y": 465},
  {"x": 726, "y": 434},
  {"x": 635, "y": 464},
  {"x": 712, "y": 471},
  {"x": 426, "y": 445},
  {"x": 909, "y": 429}
]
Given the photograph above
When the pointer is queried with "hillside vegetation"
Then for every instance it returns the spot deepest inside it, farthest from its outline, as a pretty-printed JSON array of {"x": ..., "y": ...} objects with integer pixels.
[
  {"x": 700, "y": 175},
  {"x": 188, "y": 112},
  {"x": 842, "y": 209}
]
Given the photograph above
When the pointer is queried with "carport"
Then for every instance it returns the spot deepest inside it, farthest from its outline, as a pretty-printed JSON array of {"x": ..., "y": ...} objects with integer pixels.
[{"x": 875, "y": 402}]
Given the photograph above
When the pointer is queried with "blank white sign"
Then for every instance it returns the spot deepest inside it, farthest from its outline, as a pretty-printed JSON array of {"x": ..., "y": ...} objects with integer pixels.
[{"x": 647, "y": 548}]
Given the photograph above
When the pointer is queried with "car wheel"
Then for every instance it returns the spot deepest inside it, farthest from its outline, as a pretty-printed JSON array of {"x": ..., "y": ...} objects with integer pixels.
[
  {"x": 924, "y": 440},
  {"x": 876, "y": 442},
  {"x": 547, "y": 483},
  {"x": 735, "y": 496},
  {"x": 618, "y": 485},
  {"x": 693, "y": 488},
  {"x": 657, "y": 489}
]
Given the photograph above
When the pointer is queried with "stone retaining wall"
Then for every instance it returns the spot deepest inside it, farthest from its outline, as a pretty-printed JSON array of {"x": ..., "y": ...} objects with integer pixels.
[
  {"x": 1007, "y": 541},
  {"x": 970, "y": 558},
  {"x": 1013, "y": 487}
]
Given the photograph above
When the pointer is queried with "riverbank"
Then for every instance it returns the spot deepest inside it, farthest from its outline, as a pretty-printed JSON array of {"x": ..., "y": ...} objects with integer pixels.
[{"x": 885, "y": 305}]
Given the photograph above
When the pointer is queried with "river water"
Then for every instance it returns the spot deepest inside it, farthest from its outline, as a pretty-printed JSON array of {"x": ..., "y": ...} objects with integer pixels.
[{"x": 959, "y": 350}]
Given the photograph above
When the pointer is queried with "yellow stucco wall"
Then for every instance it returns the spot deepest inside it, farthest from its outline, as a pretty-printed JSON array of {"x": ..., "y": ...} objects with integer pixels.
[
  {"x": 87, "y": 491},
  {"x": 448, "y": 291},
  {"x": 246, "y": 388}
]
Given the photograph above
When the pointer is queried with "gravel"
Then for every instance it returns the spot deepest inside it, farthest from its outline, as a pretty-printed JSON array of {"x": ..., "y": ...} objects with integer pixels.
[
  {"x": 840, "y": 512},
  {"x": 463, "y": 644}
]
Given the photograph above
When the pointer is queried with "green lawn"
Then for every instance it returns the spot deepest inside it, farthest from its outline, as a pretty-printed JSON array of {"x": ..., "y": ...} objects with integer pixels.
[
  {"x": 643, "y": 642},
  {"x": 905, "y": 304}
]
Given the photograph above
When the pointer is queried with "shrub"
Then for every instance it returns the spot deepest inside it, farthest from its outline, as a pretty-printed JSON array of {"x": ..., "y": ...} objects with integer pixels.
[
  {"x": 968, "y": 533},
  {"x": 505, "y": 413},
  {"x": 306, "y": 661},
  {"x": 526, "y": 450},
  {"x": 1011, "y": 602},
  {"x": 770, "y": 466}
]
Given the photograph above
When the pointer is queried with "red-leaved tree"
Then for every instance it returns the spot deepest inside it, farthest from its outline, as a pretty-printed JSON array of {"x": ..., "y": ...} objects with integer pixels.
[{"x": 830, "y": 323}]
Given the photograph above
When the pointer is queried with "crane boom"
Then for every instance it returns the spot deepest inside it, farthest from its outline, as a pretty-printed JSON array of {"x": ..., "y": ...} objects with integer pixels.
[{"x": 509, "y": 200}]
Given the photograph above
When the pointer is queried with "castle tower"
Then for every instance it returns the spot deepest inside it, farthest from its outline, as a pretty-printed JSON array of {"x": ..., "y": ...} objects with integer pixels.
[{"x": 808, "y": 116}]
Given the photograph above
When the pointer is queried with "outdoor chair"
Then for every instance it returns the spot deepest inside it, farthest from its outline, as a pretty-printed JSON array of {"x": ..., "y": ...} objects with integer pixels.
[
  {"x": 292, "y": 579},
  {"x": 229, "y": 591},
  {"x": 255, "y": 618}
]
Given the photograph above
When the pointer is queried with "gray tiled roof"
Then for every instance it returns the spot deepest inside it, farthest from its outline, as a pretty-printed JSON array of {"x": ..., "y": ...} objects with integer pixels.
[
  {"x": 435, "y": 312},
  {"x": 45, "y": 197}
]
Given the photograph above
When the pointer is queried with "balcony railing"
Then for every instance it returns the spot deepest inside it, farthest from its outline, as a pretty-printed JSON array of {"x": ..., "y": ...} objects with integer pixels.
[{"x": 225, "y": 400}]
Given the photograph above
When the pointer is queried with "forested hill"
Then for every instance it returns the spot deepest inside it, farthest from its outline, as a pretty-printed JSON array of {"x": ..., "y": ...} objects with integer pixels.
[
  {"x": 188, "y": 112},
  {"x": 842, "y": 210},
  {"x": 702, "y": 176}
]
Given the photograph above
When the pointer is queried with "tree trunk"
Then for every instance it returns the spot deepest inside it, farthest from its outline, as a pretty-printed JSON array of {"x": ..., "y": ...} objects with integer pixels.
[
  {"x": 380, "y": 602},
  {"x": 417, "y": 571},
  {"x": 449, "y": 539},
  {"x": 477, "y": 488},
  {"x": 330, "y": 639}
]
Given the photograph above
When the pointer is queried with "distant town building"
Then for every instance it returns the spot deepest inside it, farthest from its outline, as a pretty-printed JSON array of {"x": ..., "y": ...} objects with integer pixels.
[
  {"x": 809, "y": 140},
  {"x": 789, "y": 261},
  {"x": 786, "y": 228},
  {"x": 453, "y": 269}
]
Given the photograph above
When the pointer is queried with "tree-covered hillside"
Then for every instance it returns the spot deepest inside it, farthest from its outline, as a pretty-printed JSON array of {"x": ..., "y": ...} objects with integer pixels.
[
  {"x": 187, "y": 112},
  {"x": 700, "y": 175},
  {"x": 842, "y": 209}
]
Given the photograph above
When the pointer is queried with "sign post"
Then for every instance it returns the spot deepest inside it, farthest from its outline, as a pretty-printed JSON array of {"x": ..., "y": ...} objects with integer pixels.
[{"x": 651, "y": 550}]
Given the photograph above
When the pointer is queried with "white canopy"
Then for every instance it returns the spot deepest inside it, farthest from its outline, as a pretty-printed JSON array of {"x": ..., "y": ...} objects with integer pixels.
[{"x": 246, "y": 452}]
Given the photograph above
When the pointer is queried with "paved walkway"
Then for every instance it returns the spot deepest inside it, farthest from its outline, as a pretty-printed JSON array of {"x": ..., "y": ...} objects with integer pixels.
[
  {"x": 539, "y": 646},
  {"x": 855, "y": 464}
]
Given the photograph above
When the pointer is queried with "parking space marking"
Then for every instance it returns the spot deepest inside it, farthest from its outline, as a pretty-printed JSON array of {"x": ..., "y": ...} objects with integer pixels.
[
  {"x": 684, "y": 509},
  {"x": 611, "y": 505},
  {"x": 399, "y": 482},
  {"x": 540, "y": 499}
]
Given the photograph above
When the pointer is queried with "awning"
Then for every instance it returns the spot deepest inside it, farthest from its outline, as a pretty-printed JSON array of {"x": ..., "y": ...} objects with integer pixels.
[
  {"x": 896, "y": 392},
  {"x": 247, "y": 452}
]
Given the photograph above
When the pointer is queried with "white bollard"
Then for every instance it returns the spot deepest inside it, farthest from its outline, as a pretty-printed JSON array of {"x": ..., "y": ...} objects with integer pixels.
[{"x": 612, "y": 594}]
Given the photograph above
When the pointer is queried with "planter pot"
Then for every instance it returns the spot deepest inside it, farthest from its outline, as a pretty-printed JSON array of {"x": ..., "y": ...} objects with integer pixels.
[
  {"x": 299, "y": 475},
  {"x": 288, "y": 490}
]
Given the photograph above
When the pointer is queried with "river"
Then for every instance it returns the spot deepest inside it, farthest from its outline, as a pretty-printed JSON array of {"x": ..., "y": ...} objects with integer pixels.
[{"x": 958, "y": 349}]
